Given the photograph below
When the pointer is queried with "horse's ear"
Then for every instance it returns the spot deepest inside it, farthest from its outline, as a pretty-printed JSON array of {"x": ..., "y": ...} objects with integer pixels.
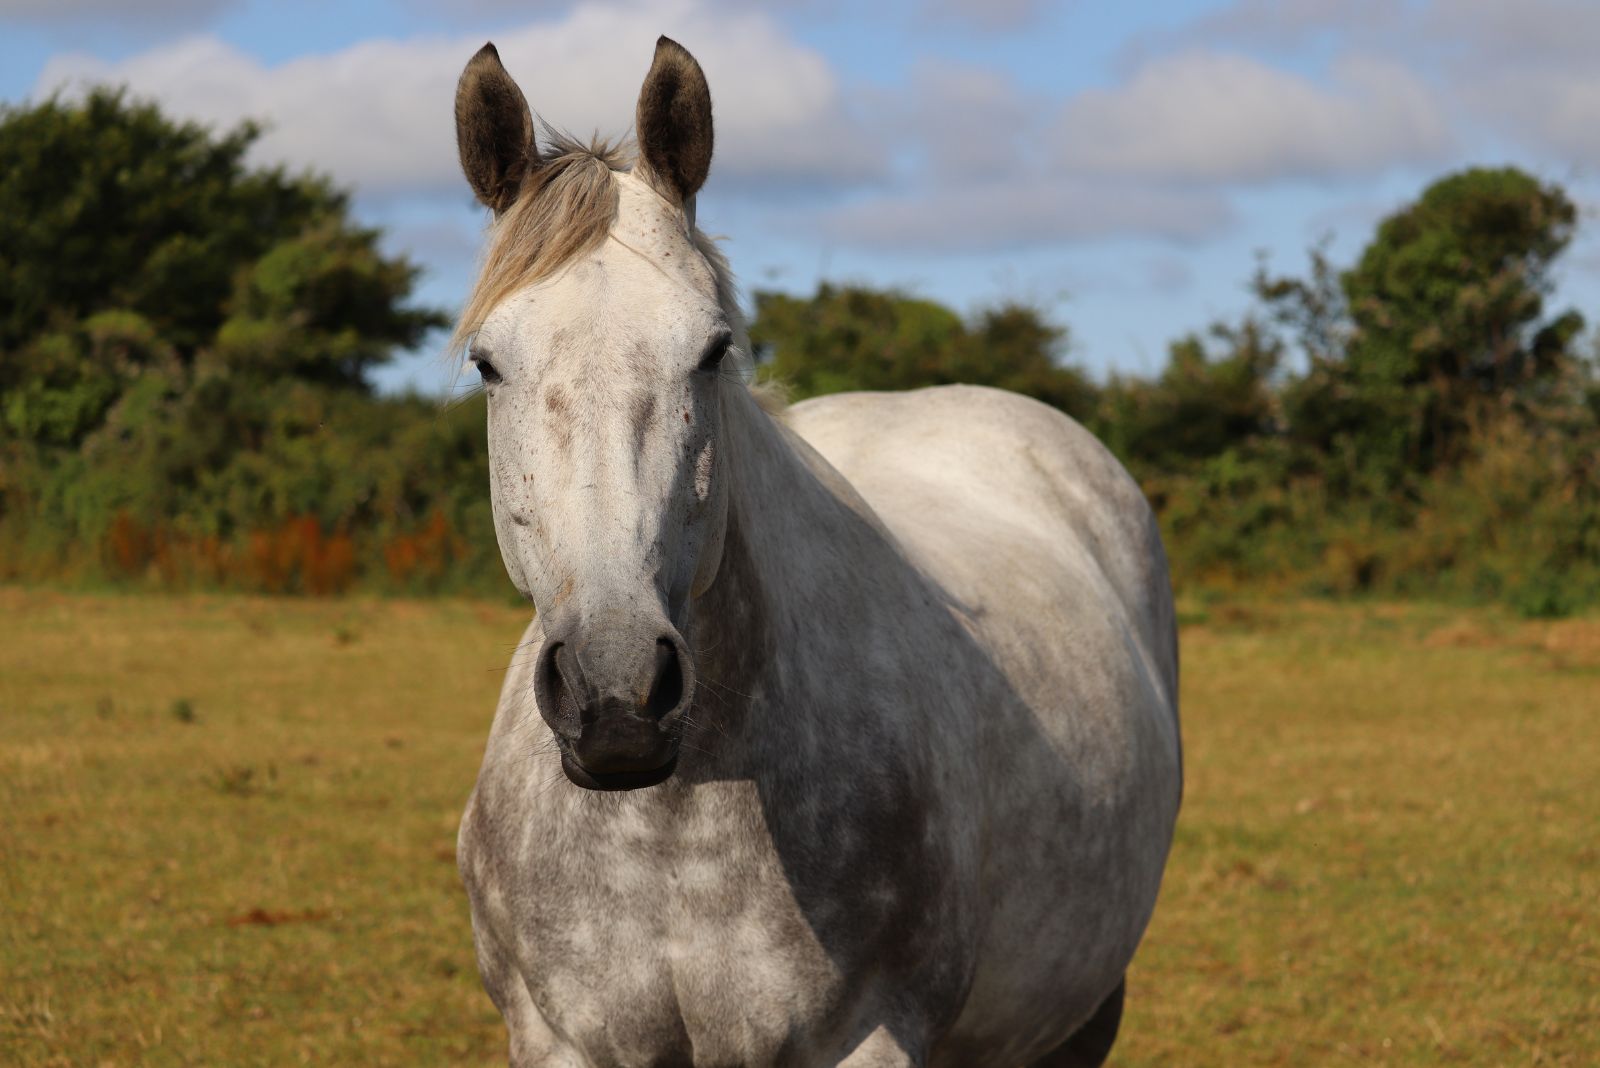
[
  {"x": 674, "y": 122},
  {"x": 494, "y": 130}
]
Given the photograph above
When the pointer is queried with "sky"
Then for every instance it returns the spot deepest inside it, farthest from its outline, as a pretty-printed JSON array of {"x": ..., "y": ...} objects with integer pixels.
[{"x": 1120, "y": 165}]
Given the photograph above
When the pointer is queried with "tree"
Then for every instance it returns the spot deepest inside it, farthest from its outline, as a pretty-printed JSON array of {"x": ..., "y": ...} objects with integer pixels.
[
  {"x": 1438, "y": 328},
  {"x": 852, "y": 337},
  {"x": 107, "y": 206},
  {"x": 1207, "y": 400},
  {"x": 184, "y": 350}
]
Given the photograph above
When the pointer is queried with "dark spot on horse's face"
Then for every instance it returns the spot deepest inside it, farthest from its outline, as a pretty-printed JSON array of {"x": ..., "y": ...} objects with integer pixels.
[
  {"x": 521, "y": 520},
  {"x": 644, "y": 413},
  {"x": 641, "y": 362},
  {"x": 560, "y": 409}
]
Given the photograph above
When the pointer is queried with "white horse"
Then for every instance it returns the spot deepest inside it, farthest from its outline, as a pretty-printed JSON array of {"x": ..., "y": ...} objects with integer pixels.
[{"x": 845, "y": 735}]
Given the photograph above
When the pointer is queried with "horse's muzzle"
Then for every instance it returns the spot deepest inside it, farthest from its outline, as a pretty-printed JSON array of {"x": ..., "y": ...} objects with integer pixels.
[{"x": 614, "y": 705}]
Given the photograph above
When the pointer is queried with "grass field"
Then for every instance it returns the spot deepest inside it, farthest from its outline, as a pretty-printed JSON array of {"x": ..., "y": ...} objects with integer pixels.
[{"x": 227, "y": 829}]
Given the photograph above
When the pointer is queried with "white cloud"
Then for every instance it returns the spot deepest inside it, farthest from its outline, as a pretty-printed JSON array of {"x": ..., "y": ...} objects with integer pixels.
[
  {"x": 1526, "y": 70},
  {"x": 379, "y": 113},
  {"x": 1026, "y": 212},
  {"x": 1285, "y": 24},
  {"x": 1529, "y": 32},
  {"x": 990, "y": 14},
  {"x": 376, "y": 114},
  {"x": 975, "y": 177},
  {"x": 967, "y": 121},
  {"x": 1210, "y": 117},
  {"x": 1160, "y": 156},
  {"x": 1552, "y": 110},
  {"x": 145, "y": 11},
  {"x": 979, "y": 163}
]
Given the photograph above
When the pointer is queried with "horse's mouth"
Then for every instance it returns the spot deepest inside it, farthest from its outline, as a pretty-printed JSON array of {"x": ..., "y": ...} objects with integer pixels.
[{"x": 578, "y": 775}]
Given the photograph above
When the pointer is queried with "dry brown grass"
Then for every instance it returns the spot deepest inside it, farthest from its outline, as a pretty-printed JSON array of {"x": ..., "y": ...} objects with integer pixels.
[
  {"x": 1388, "y": 847},
  {"x": 226, "y": 830},
  {"x": 229, "y": 829}
]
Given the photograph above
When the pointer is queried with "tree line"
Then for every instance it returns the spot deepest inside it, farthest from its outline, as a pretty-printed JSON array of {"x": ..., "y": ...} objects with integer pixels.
[
  {"x": 186, "y": 345},
  {"x": 1418, "y": 422}
]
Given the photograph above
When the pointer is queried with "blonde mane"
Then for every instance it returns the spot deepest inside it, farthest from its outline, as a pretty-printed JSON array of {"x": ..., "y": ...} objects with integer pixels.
[{"x": 566, "y": 207}]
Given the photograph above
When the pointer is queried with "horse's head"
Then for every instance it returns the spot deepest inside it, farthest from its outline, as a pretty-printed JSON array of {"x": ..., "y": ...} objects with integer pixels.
[{"x": 600, "y": 325}]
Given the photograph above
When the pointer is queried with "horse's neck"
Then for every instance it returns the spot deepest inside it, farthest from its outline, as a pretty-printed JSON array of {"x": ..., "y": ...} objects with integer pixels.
[{"x": 800, "y": 543}]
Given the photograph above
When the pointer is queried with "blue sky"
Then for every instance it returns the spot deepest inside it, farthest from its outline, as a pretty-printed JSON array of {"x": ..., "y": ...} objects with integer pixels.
[{"x": 1120, "y": 164}]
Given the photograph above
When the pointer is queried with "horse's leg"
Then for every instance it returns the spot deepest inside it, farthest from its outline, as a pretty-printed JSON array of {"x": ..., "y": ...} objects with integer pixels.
[
  {"x": 532, "y": 1044},
  {"x": 1090, "y": 1044},
  {"x": 881, "y": 1050}
]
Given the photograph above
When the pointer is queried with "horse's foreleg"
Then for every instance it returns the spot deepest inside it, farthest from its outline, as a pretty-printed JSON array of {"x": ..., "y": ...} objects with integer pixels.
[
  {"x": 882, "y": 1049},
  {"x": 532, "y": 1044}
]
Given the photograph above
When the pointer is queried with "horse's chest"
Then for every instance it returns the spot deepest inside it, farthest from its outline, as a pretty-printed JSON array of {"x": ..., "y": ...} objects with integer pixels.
[
  {"x": 643, "y": 951},
  {"x": 730, "y": 989}
]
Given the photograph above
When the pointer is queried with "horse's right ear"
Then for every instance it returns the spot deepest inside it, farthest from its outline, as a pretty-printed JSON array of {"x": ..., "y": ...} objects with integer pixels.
[{"x": 494, "y": 131}]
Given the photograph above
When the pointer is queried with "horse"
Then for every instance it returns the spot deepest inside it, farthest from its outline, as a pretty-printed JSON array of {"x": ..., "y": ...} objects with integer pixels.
[{"x": 843, "y": 733}]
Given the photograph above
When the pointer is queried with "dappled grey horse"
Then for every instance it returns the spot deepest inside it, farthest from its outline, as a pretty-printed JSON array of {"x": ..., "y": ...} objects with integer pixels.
[{"x": 844, "y": 735}]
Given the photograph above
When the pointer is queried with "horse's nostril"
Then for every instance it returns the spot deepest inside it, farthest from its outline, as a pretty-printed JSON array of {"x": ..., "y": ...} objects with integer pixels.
[
  {"x": 551, "y": 688},
  {"x": 567, "y": 709},
  {"x": 667, "y": 690},
  {"x": 575, "y": 691}
]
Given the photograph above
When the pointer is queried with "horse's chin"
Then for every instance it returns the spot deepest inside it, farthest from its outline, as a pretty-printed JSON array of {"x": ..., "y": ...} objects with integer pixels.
[{"x": 578, "y": 775}]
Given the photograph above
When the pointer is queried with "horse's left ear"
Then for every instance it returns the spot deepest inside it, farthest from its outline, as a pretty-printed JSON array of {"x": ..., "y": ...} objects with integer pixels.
[{"x": 674, "y": 122}]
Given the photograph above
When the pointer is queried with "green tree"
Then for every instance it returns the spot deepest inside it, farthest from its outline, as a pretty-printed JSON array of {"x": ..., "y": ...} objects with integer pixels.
[
  {"x": 853, "y": 337},
  {"x": 1440, "y": 326},
  {"x": 184, "y": 350},
  {"x": 1207, "y": 400},
  {"x": 107, "y": 206}
]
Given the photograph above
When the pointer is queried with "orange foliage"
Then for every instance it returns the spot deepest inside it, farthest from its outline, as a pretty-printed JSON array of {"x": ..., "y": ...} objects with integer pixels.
[
  {"x": 294, "y": 557},
  {"x": 425, "y": 555},
  {"x": 128, "y": 545},
  {"x": 297, "y": 555}
]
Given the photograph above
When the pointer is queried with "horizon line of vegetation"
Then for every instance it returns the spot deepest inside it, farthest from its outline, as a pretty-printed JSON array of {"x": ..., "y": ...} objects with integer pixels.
[{"x": 186, "y": 348}]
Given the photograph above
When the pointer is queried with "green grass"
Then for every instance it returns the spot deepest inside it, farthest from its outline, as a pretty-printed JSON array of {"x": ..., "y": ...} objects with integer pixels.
[{"x": 227, "y": 828}]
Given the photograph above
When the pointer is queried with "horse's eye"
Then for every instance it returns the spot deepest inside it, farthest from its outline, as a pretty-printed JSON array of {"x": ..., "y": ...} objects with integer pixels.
[
  {"x": 712, "y": 360},
  {"x": 486, "y": 370}
]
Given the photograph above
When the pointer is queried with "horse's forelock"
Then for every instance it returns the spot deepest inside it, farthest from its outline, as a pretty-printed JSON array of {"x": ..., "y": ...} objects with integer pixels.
[{"x": 566, "y": 206}]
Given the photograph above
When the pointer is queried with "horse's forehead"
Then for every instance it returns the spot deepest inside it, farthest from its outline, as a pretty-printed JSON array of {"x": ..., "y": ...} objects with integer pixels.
[
  {"x": 646, "y": 283},
  {"x": 651, "y": 227},
  {"x": 618, "y": 308}
]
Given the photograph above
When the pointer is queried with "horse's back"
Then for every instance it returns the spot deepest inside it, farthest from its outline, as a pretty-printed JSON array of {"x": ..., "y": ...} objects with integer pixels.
[
  {"x": 1049, "y": 552},
  {"x": 959, "y": 472}
]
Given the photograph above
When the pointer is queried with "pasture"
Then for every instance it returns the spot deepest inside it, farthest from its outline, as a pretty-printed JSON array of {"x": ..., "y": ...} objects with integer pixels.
[{"x": 227, "y": 831}]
